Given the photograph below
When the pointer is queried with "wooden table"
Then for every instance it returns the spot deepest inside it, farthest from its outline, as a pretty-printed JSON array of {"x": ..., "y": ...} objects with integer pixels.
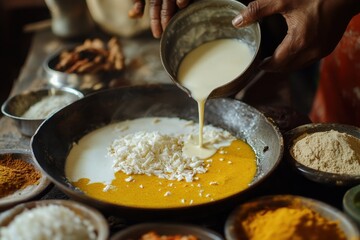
[{"x": 144, "y": 67}]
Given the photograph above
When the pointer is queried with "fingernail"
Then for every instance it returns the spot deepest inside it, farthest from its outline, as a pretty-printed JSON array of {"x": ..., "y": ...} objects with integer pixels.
[
  {"x": 156, "y": 34},
  {"x": 181, "y": 3},
  {"x": 237, "y": 21}
]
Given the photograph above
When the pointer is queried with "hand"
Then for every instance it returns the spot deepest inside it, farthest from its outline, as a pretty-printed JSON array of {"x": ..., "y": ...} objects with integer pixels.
[
  {"x": 314, "y": 28},
  {"x": 160, "y": 12}
]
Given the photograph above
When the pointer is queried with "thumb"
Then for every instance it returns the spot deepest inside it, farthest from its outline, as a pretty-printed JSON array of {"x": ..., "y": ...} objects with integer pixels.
[{"x": 255, "y": 11}]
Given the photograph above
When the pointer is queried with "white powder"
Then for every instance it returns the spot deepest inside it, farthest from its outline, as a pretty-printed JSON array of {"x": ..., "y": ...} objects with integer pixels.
[
  {"x": 48, "y": 222},
  {"x": 161, "y": 155},
  {"x": 48, "y": 105},
  {"x": 329, "y": 151}
]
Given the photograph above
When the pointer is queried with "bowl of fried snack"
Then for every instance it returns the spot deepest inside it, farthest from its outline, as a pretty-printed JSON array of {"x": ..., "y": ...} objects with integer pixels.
[{"x": 92, "y": 65}]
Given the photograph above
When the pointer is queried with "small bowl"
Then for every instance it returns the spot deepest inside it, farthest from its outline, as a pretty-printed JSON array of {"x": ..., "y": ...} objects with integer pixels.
[
  {"x": 93, "y": 216},
  {"x": 135, "y": 232},
  {"x": 17, "y": 105},
  {"x": 30, "y": 192},
  {"x": 233, "y": 230},
  {"x": 86, "y": 82},
  {"x": 351, "y": 204},
  {"x": 205, "y": 21},
  {"x": 313, "y": 174}
]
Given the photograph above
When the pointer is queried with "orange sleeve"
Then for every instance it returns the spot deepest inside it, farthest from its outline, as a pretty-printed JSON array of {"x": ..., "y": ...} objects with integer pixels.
[{"x": 338, "y": 95}]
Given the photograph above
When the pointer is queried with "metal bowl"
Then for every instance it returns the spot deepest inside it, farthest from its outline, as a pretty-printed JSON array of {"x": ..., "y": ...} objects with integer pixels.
[
  {"x": 95, "y": 218},
  {"x": 201, "y": 22},
  {"x": 233, "y": 225},
  {"x": 314, "y": 174},
  {"x": 17, "y": 105},
  {"x": 28, "y": 193},
  {"x": 136, "y": 231},
  {"x": 85, "y": 83},
  {"x": 351, "y": 203},
  {"x": 55, "y": 137}
]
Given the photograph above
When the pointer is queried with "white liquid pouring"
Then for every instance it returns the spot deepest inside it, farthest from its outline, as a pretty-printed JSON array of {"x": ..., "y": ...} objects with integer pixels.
[{"x": 206, "y": 68}]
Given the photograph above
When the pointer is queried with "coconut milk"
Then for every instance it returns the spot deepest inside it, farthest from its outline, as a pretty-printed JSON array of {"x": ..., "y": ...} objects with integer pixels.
[{"x": 206, "y": 68}]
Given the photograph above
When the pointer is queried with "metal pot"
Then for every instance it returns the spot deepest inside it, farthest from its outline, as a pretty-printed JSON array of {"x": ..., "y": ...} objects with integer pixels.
[{"x": 55, "y": 137}]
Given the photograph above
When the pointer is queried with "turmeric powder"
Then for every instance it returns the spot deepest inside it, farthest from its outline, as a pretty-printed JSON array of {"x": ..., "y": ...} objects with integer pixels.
[
  {"x": 16, "y": 174},
  {"x": 286, "y": 223}
]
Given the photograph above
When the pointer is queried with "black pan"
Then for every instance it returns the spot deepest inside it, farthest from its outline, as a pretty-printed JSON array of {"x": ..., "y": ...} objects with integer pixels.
[{"x": 54, "y": 138}]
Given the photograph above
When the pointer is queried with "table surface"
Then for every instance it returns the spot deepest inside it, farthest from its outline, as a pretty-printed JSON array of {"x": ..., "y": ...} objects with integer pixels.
[{"x": 144, "y": 67}]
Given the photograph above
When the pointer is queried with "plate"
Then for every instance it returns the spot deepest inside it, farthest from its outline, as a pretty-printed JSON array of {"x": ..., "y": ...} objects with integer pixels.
[{"x": 28, "y": 193}]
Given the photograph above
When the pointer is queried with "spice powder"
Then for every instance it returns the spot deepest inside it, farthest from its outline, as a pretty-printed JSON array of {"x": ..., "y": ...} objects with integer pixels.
[
  {"x": 16, "y": 174},
  {"x": 290, "y": 222}
]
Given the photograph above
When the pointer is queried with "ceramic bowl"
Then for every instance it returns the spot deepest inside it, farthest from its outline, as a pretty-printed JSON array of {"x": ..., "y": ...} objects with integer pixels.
[
  {"x": 314, "y": 174},
  {"x": 95, "y": 218},
  {"x": 17, "y": 105},
  {"x": 235, "y": 231},
  {"x": 169, "y": 229},
  {"x": 31, "y": 191},
  {"x": 52, "y": 142},
  {"x": 351, "y": 203},
  {"x": 201, "y": 22}
]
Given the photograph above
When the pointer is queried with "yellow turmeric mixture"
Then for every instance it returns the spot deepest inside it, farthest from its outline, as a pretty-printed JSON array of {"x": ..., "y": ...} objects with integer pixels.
[
  {"x": 230, "y": 171},
  {"x": 286, "y": 223}
]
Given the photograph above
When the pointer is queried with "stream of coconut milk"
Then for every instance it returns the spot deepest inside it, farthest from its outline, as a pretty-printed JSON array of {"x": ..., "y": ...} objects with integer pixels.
[{"x": 205, "y": 68}]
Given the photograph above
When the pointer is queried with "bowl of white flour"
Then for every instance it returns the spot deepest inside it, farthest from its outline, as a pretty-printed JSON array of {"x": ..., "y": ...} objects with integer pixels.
[{"x": 30, "y": 109}]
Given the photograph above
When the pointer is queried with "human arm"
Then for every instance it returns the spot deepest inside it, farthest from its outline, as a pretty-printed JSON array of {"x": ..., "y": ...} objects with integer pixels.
[
  {"x": 160, "y": 12},
  {"x": 314, "y": 28}
]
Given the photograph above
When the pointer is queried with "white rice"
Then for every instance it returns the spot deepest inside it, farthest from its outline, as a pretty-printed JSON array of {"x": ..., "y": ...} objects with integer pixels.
[
  {"x": 161, "y": 155},
  {"x": 53, "y": 222}
]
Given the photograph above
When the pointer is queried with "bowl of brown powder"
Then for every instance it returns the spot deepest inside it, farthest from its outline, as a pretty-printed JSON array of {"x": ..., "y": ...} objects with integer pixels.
[
  {"x": 325, "y": 152},
  {"x": 20, "y": 179}
]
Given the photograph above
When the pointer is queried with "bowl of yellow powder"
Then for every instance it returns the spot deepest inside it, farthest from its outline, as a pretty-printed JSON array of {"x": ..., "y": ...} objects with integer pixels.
[
  {"x": 325, "y": 152},
  {"x": 20, "y": 179},
  {"x": 284, "y": 217},
  {"x": 30, "y": 109}
]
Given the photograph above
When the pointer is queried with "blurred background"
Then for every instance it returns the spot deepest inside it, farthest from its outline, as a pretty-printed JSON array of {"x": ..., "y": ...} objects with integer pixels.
[
  {"x": 14, "y": 39},
  {"x": 19, "y": 18}
]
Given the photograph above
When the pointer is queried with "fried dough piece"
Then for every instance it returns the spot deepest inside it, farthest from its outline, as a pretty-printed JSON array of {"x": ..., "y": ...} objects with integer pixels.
[{"x": 93, "y": 56}]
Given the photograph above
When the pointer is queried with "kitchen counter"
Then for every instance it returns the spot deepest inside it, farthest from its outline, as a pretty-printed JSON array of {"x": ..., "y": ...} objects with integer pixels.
[{"x": 144, "y": 67}]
